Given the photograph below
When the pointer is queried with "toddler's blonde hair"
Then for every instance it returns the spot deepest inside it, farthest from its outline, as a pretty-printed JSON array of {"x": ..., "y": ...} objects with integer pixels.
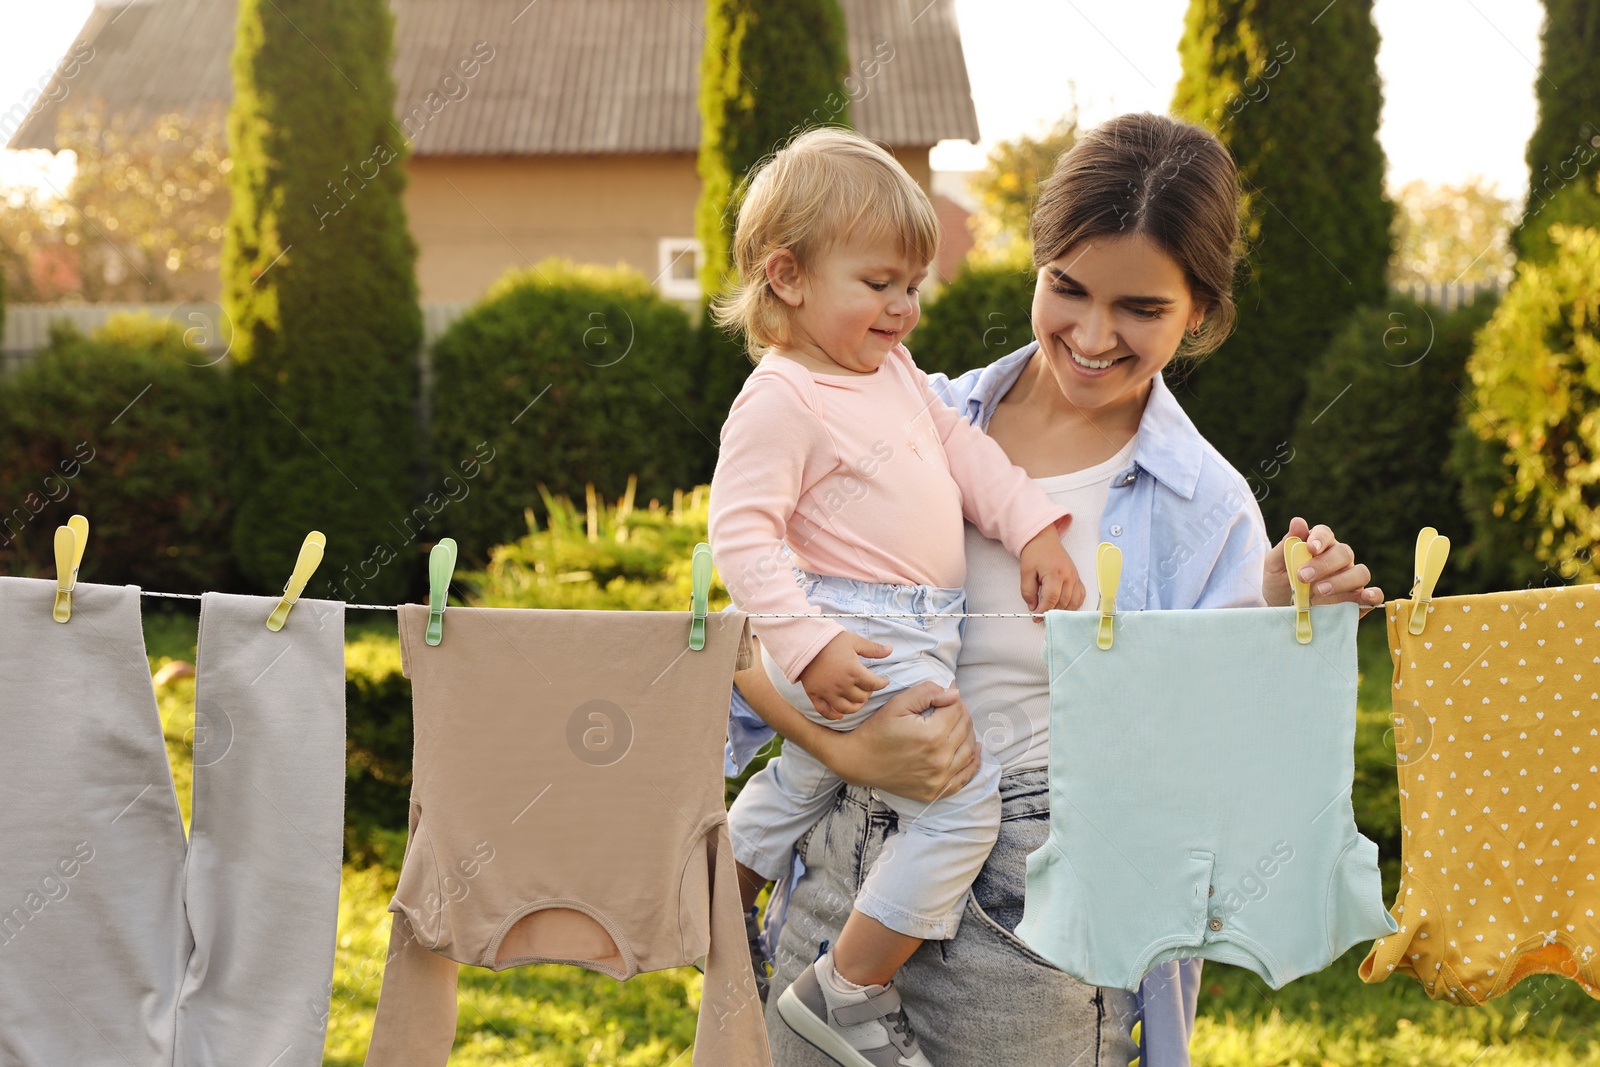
[{"x": 825, "y": 186}]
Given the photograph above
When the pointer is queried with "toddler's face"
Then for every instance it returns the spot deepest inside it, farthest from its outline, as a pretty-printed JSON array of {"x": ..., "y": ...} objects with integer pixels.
[{"x": 859, "y": 300}]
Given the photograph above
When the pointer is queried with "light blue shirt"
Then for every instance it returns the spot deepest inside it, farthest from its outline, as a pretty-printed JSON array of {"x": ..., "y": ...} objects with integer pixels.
[{"x": 1191, "y": 535}]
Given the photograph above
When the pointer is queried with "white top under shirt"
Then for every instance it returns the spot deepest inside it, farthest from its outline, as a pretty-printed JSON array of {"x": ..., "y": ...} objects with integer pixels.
[{"x": 1000, "y": 669}]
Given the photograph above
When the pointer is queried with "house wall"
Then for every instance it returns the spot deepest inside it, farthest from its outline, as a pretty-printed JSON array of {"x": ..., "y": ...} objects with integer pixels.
[{"x": 476, "y": 217}]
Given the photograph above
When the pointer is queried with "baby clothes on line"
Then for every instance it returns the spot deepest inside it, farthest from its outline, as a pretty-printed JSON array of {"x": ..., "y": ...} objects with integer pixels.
[
  {"x": 1249, "y": 853},
  {"x": 267, "y": 837},
  {"x": 120, "y": 943},
  {"x": 1497, "y": 748},
  {"x": 93, "y": 941},
  {"x": 918, "y": 887},
  {"x": 567, "y": 806}
]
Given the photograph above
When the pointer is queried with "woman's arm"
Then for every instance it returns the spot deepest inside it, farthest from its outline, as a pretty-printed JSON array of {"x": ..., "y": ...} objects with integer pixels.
[
  {"x": 899, "y": 749},
  {"x": 1336, "y": 576}
]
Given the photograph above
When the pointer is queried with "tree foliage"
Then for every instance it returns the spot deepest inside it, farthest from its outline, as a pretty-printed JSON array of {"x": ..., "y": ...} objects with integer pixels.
[
  {"x": 1297, "y": 101},
  {"x": 323, "y": 311}
]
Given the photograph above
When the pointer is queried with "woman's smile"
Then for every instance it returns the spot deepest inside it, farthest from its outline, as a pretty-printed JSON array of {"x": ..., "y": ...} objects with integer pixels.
[{"x": 1094, "y": 368}]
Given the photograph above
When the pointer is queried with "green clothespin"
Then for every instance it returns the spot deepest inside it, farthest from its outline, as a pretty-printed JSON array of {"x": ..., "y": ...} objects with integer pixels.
[
  {"x": 441, "y": 568},
  {"x": 701, "y": 595}
]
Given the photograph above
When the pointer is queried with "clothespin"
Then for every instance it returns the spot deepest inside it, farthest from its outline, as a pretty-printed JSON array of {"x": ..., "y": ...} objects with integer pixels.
[
  {"x": 700, "y": 595},
  {"x": 1296, "y": 554},
  {"x": 441, "y": 568},
  {"x": 1433, "y": 548},
  {"x": 70, "y": 540},
  {"x": 310, "y": 556},
  {"x": 1107, "y": 574}
]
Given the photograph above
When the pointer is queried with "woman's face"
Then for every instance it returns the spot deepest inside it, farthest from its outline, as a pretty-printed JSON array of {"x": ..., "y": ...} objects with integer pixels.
[{"x": 1109, "y": 314}]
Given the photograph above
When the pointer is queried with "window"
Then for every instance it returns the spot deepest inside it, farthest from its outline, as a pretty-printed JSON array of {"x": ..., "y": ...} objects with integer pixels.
[{"x": 678, "y": 269}]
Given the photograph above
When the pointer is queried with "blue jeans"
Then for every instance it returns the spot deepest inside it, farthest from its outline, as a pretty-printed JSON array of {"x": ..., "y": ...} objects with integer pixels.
[
  {"x": 980, "y": 998},
  {"x": 918, "y": 886}
]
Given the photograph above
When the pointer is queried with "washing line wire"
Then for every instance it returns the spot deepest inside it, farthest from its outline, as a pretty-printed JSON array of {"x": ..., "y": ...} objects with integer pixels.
[{"x": 753, "y": 614}]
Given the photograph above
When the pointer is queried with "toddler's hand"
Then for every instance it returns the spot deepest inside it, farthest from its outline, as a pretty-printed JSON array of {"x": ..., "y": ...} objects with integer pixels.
[
  {"x": 1049, "y": 580},
  {"x": 836, "y": 680}
]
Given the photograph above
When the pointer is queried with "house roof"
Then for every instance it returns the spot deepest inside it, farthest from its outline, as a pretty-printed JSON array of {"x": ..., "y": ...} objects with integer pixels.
[{"x": 567, "y": 77}]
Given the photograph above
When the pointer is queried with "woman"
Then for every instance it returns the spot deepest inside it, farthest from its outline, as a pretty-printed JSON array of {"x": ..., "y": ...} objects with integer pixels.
[{"x": 1136, "y": 238}]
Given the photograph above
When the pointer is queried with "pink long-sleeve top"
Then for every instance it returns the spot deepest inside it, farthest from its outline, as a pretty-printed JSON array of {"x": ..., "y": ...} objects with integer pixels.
[{"x": 863, "y": 476}]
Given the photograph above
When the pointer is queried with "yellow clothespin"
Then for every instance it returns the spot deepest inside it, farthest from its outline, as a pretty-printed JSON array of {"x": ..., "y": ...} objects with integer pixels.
[
  {"x": 1433, "y": 548},
  {"x": 310, "y": 555},
  {"x": 441, "y": 568},
  {"x": 1107, "y": 574},
  {"x": 1296, "y": 554},
  {"x": 70, "y": 540},
  {"x": 1425, "y": 538}
]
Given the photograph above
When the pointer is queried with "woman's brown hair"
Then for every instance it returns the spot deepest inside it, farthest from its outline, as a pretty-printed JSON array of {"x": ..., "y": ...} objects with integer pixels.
[{"x": 1171, "y": 181}]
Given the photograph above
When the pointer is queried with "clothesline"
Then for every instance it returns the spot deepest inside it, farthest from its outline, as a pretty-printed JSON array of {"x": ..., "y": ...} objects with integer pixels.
[{"x": 753, "y": 614}]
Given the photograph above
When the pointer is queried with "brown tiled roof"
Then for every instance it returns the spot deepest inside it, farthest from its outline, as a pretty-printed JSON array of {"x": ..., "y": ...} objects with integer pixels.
[{"x": 567, "y": 77}]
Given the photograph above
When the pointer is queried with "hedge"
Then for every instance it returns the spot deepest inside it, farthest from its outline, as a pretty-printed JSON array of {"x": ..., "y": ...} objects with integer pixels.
[
  {"x": 1371, "y": 452},
  {"x": 981, "y": 314},
  {"x": 1531, "y": 429},
  {"x": 562, "y": 376},
  {"x": 127, "y": 429}
]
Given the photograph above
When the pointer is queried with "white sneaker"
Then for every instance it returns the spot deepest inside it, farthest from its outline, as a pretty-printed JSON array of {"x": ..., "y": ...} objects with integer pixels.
[{"x": 862, "y": 1029}]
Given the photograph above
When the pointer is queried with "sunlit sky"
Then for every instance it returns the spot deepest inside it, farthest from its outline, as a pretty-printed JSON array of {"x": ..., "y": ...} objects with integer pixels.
[{"x": 1458, "y": 76}]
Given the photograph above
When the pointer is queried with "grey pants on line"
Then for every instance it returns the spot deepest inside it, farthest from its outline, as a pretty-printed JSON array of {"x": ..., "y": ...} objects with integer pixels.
[{"x": 121, "y": 944}]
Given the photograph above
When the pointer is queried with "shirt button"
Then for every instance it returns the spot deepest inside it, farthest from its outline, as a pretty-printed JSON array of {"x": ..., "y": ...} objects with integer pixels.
[
  {"x": 1129, "y": 479},
  {"x": 1211, "y": 891},
  {"x": 1116, "y": 531},
  {"x": 1215, "y": 924}
]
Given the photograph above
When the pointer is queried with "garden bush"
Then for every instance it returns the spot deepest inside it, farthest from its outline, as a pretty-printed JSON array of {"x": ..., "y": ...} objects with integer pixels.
[
  {"x": 319, "y": 288},
  {"x": 1529, "y": 447},
  {"x": 981, "y": 314},
  {"x": 1371, "y": 451},
  {"x": 564, "y": 376},
  {"x": 127, "y": 429}
]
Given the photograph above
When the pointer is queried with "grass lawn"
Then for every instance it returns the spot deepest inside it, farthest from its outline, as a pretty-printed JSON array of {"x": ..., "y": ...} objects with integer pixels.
[{"x": 556, "y": 1016}]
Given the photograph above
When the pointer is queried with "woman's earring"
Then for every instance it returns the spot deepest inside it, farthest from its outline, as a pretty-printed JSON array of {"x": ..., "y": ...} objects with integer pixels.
[{"x": 1194, "y": 331}]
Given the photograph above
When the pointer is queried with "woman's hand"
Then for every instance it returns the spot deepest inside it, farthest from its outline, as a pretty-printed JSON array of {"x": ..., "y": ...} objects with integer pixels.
[
  {"x": 898, "y": 750},
  {"x": 1333, "y": 572},
  {"x": 902, "y": 751}
]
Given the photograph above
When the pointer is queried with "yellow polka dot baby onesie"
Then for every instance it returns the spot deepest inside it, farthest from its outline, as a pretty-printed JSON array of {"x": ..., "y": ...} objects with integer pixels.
[{"x": 1497, "y": 738}]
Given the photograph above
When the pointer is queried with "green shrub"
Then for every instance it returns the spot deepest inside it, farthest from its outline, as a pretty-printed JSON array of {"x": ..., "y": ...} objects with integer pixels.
[
  {"x": 1575, "y": 205},
  {"x": 1534, "y": 404},
  {"x": 562, "y": 376},
  {"x": 1565, "y": 144},
  {"x": 128, "y": 430},
  {"x": 378, "y": 743},
  {"x": 1371, "y": 449},
  {"x": 1298, "y": 105},
  {"x": 319, "y": 287},
  {"x": 981, "y": 314}
]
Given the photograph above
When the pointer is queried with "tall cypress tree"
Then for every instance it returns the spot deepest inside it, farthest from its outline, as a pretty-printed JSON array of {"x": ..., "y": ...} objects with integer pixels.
[
  {"x": 1564, "y": 151},
  {"x": 318, "y": 279},
  {"x": 768, "y": 71},
  {"x": 1295, "y": 96}
]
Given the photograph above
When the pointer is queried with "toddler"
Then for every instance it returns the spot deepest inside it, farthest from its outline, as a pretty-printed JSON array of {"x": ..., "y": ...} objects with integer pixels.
[{"x": 840, "y": 488}]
